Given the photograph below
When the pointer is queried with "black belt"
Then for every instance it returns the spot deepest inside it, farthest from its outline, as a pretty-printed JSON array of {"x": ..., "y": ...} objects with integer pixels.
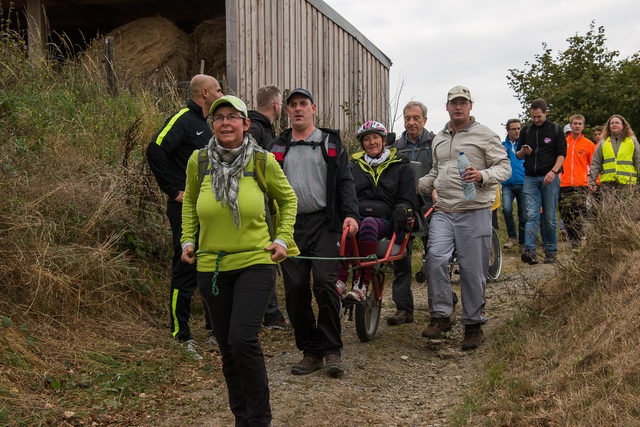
[{"x": 321, "y": 211}]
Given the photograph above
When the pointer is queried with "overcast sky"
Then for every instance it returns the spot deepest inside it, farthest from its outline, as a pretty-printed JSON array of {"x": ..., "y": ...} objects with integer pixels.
[{"x": 435, "y": 45}]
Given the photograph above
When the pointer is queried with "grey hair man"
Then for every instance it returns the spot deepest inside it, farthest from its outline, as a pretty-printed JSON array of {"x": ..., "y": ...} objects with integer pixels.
[{"x": 415, "y": 145}]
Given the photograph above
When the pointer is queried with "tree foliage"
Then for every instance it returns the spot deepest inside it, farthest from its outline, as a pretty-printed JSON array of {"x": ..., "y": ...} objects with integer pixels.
[{"x": 586, "y": 79}]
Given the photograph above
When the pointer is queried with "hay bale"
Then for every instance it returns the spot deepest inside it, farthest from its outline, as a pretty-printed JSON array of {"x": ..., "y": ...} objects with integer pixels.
[
  {"x": 210, "y": 41},
  {"x": 148, "y": 48}
]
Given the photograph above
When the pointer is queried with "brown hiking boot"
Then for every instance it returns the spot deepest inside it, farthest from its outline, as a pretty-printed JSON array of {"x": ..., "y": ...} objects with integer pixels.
[
  {"x": 473, "y": 337},
  {"x": 334, "y": 365},
  {"x": 511, "y": 242},
  {"x": 401, "y": 316},
  {"x": 437, "y": 326},
  {"x": 307, "y": 365}
]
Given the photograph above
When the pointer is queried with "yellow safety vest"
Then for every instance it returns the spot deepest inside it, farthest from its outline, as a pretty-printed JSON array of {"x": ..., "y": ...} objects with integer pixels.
[{"x": 618, "y": 169}]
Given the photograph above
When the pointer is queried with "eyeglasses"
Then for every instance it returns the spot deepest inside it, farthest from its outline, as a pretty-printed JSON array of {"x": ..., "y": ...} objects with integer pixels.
[{"x": 219, "y": 118}]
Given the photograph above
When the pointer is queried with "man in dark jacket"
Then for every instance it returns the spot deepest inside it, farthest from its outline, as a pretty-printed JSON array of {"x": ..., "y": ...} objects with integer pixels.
[
  {"x": 269, "y": 108},
  {"x": 543, "y": 147},
  {"x": 168, "y": 154},
  {"x": 415, "y": 145},
  {"x": 267, "y": 112},
  {"x": 315, "y": 163}
]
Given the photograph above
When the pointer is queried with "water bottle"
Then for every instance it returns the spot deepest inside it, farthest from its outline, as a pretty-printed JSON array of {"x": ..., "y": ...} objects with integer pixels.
[{"x": 468, "y": 188}]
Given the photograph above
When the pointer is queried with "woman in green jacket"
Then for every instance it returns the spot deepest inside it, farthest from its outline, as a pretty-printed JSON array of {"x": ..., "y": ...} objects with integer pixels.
[{"x": 236, "y": 255}]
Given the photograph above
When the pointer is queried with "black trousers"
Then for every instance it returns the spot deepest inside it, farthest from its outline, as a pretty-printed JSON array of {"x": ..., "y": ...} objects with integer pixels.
[
  {"x": 237, "y": 312},
  {"x": 572, "y": 204},
  {"x": 401, "y": 293},
  {"x": 273, "y": 312},
  {"x": 183, "y": 280},
  {"x": 315, "y": 338}
]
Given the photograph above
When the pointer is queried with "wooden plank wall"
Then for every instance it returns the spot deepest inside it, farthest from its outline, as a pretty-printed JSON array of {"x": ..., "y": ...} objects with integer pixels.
[{"x": 291, "y": 43}]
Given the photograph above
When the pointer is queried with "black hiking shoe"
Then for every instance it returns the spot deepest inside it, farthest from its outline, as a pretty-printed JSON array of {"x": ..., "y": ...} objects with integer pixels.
[{"x": 529, "y": 257}]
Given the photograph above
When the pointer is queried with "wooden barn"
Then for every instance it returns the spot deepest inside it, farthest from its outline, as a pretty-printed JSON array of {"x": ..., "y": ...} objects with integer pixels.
[{"x": 289, "y": 43}]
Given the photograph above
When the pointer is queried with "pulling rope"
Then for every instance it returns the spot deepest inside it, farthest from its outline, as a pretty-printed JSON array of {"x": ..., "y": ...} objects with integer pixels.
[{"x": 219, "y": 255}]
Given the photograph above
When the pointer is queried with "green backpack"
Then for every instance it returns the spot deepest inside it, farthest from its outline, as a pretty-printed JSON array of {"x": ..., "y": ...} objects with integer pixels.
[{"x": 259, "y": 174}]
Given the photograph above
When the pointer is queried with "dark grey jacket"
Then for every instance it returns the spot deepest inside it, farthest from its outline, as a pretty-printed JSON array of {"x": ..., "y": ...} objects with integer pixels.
[{"x": 421, "y": 152}]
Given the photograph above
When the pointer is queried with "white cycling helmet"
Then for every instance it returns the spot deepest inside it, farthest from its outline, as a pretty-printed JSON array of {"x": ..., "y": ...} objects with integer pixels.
[{"x": 372, "y": 127}]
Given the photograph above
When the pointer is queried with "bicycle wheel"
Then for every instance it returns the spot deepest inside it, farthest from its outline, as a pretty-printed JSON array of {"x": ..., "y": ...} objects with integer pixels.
[
  {"x": 495, "y": 258},
  {"x": 368, "y": 312}
]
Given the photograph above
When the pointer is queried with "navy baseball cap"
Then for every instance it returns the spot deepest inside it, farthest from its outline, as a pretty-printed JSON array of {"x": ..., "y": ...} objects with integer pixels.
[{"x": 300, "y": 91}]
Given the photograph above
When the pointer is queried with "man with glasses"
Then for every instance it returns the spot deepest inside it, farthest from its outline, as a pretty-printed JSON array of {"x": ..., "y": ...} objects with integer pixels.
[
  {"x": 168, "y": 154},
  {"x": 461, "y": 224},
  {"x": 543, "y": 147},
  {"x": 267, "y": 112},
  {"x": 513, "y": 188}
]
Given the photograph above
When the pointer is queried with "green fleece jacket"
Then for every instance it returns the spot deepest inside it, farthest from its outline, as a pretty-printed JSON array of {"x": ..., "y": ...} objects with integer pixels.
[{"x": 204, "y": 216}]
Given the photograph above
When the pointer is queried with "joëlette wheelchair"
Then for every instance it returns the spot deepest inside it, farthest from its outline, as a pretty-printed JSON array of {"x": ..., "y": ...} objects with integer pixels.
[{"x": 367, "y": 313}]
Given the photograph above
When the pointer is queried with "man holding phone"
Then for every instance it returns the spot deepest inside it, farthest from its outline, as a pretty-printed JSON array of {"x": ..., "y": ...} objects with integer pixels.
[{"x": 543, "y": 147}]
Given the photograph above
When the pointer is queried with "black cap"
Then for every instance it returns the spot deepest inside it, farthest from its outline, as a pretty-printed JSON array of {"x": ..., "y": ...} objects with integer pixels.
[{"x": 300, "y": 91}]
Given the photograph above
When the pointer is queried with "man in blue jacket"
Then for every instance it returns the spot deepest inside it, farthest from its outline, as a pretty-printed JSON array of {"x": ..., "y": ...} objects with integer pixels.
[{"x": 513, "y": 188}]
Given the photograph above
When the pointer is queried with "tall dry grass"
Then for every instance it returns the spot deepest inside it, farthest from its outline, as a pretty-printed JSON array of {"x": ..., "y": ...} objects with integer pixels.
[
  {"x": 84, "y": 242},
  {"x": 572, "y": 359}
]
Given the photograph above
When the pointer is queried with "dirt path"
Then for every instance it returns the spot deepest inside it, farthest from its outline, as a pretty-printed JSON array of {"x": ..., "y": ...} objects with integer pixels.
[{"x": 399, "y": 379}]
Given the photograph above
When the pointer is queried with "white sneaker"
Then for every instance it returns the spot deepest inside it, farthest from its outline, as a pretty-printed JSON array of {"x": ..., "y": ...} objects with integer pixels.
[
  {"x": 191, "y": 348},
  {"x": 342, "y": 289},
  {"x": 357, "y": 294}
]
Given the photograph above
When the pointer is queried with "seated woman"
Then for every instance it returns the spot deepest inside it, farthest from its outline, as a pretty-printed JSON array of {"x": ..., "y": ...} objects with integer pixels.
[{"x": 386, "y": 192}]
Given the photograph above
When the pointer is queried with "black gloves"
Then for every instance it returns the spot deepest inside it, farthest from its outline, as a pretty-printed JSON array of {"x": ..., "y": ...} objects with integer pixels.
[{"x": 400, "y": 220}]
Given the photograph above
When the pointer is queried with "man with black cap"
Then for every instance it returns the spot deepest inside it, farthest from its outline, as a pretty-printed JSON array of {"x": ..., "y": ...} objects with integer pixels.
[
  {"x": 316, "y": 164},
  {"x": 459, "y": 223}
]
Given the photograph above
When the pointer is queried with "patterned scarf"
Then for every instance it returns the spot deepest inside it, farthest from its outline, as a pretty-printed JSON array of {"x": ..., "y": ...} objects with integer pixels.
[
  {"x": 227, "y": 167},
  {"x": 375, "y": 161}
]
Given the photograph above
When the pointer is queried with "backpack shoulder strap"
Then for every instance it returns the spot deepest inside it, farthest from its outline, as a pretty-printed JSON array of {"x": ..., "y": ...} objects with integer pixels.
[
  {"x": 259, "y": 174},
  {"x": 260, "y": 169},
  {"x": 203, "y": 166}
]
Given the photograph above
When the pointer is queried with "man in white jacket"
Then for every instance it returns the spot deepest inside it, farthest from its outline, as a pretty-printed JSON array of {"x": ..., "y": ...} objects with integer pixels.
[{"x": 464, "y": 225}]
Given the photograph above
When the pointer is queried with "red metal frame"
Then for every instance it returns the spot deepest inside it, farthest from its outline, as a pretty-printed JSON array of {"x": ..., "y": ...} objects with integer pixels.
[{"x": 387, "y": 258}]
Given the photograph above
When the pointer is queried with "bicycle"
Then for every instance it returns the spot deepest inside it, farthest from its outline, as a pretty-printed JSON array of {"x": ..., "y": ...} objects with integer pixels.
[{"x": 367, "y": 318}]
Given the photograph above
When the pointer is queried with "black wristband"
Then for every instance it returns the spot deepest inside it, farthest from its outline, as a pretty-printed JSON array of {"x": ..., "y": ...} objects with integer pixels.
[{"x": 554, "y": 172}]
